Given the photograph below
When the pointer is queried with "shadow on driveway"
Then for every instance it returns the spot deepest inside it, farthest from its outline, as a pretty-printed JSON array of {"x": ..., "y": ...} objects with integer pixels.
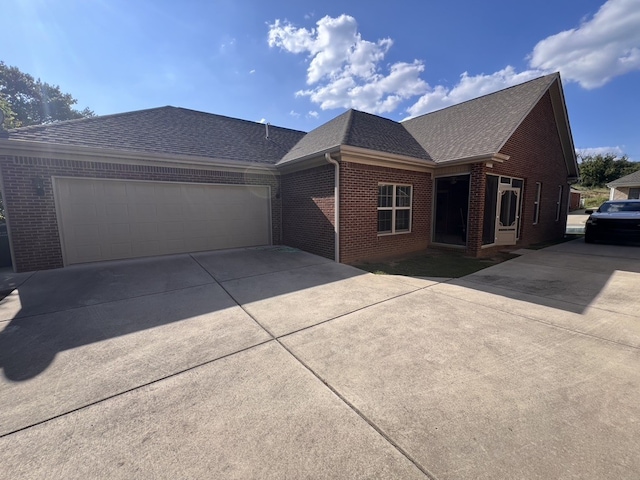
[{"x": 58, "y": 310}]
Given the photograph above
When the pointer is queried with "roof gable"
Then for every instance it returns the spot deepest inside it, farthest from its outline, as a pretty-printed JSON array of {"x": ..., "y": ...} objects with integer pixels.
[
  {"x": 480, "y": 126},
  {"x": 357, "y": 129},
  {"x": 170, "y": 130}
]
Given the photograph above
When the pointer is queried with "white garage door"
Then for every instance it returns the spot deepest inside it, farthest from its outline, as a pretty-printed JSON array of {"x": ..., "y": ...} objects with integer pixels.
[{"x": 113, "y": 219}]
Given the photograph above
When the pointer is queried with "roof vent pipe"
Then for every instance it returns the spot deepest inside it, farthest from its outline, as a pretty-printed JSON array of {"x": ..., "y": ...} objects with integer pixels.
[{"x": 266, "y": 127}]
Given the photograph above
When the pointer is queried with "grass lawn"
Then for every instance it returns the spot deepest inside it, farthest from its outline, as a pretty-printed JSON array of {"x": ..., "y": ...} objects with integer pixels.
[
  {"x": 434, "y": 263},
  {"x": 443, "y": 263},
  {"x": 593, "y": 197}
]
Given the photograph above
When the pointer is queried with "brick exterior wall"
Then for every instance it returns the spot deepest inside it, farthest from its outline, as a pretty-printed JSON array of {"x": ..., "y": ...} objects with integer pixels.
[
  {"x": 308, "y": 213},
  {"x": 536, "y": 156},
  {"x": 478, "y": 183},
  {"x": 359, "y": 239},
  {"x": 32, "y": 219}
]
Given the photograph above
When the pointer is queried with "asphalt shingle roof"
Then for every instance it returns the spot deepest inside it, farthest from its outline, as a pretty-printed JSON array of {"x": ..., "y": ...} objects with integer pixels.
[
  {"x": 477, "y": 127},
  {"x": 170, "y": 130},
  {"x": 631, "y": 180},
  {"x": 358, "y": 129}
]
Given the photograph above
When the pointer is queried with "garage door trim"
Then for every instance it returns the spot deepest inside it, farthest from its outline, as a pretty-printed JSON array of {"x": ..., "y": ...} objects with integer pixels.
[{"x": 58, "y": 208}]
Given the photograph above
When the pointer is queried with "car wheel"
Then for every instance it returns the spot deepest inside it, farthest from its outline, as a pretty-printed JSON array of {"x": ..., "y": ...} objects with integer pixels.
[{"x": 588, "y": 237}]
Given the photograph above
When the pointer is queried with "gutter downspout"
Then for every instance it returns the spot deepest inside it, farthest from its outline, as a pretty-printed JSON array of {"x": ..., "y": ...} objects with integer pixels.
[{"x": 336, "y": 196}]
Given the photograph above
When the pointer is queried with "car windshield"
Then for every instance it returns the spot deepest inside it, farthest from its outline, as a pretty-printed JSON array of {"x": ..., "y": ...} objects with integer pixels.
[{"x": 620, "y": 207}]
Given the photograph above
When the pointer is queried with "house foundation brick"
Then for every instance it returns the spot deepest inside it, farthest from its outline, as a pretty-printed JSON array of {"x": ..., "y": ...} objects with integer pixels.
[{"x": 32, "y": 219}]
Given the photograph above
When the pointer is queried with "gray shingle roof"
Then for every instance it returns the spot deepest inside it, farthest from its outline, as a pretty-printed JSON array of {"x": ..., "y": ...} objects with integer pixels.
[
  {"x": 631, "y": 180},
  {"x": 170, "y": 130},
  {"x": 476, "y": 127},
  {"x": 377, "y": 133},
  {"x": 323, "y": 138},
  {"x": 480, "y": 126},
  {"x": 358, "y": 129}
]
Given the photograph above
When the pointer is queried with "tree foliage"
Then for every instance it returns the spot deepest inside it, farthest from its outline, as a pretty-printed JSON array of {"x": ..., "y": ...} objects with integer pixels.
[
  {"x": 27, "y": 101},
  {"x": 598, "y": 170}
]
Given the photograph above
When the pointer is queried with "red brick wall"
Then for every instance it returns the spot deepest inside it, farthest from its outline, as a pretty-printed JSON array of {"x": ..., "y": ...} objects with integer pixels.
[
  {"x": 359, "y": 238},
  {"x": 536, "y": 155},
  {"x": 32, "y": 218},
  {"x": 476, "y": 208},
  {"x": 308, "y": 210}
]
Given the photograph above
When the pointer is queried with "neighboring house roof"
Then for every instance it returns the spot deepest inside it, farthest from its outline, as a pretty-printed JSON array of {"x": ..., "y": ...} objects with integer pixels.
[
  {"x": 170, "y": 130},
  {"x": 480, "y": 126},
  {"x": 358, "y": 129},
  {"x": 631, "y": 180}
]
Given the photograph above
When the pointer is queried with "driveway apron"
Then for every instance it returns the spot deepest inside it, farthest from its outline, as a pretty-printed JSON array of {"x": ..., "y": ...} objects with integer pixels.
[{"x": 274, "y": 363}]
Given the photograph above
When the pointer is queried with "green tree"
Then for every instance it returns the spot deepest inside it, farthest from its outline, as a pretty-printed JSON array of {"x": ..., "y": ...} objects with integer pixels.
[
  {"x": 598, "y": 170},
  {"x": 27, "y": 101}
]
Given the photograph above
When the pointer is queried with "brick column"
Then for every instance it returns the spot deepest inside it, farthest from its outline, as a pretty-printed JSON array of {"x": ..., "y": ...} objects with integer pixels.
[{"x": 476, "y": 208}]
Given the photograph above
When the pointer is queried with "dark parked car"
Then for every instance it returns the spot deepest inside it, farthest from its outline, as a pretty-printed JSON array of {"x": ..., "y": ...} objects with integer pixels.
[{"x": 614, "y": 221}]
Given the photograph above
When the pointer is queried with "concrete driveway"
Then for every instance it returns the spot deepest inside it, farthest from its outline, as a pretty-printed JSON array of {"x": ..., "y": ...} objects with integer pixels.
[{"x": 274, "y": 363}]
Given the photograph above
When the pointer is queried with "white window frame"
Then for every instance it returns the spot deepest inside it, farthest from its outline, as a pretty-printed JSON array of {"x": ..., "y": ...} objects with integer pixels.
[
  {"x": 536, "y": 204},
  {"x": 559, "y": 202},
  {"x": 394, "y": 208}
]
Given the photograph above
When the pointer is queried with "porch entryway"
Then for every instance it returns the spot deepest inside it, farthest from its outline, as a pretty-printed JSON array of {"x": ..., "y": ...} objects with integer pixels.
[
  {"x": 452, "y": 208},
  {"x": 502, "y": 212}
]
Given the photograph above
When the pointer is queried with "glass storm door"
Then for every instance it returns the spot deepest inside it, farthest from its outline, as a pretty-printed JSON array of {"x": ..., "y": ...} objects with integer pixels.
[{"x": 507, "y": 215}]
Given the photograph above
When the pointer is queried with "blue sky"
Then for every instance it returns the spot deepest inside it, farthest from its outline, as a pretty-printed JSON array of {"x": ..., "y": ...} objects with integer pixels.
[{"x": 298, "y": 64}]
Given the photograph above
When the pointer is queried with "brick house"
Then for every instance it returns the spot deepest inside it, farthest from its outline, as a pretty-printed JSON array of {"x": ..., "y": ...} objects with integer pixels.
[
  {"x": 625, "y": 188},
  {"x": 477, "y": 176}
]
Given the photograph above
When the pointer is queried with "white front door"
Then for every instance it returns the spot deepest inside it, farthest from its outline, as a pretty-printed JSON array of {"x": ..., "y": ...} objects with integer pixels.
[{"x": 507, "y": 215}]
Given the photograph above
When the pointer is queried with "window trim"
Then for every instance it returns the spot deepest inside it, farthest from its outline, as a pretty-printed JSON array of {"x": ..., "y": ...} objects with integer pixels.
[
  {"x": 394, "y": 208},
  {"x": 536, "y": 203}
]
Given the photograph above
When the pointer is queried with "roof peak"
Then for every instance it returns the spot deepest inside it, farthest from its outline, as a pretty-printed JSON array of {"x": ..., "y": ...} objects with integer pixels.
[{"x": 549, "y": 76}]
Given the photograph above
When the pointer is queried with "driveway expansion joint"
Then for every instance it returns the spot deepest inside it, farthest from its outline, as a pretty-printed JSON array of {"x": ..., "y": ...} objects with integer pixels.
[
  {"x": 352, "y": 407},
  {"x": 548, "y": 324},
  {"x": 133, "y": 389}
]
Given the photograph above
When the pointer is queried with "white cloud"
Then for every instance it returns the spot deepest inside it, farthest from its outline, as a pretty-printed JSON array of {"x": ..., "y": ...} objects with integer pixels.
[
  {"x": 313, "y": 114},
  {"x": 293, "y": 113},
  {"x": 469, "y": 87},
  {"x": 604, "y": 47},
  {"x": 262, "y": 120},
  {"x": 252, "y": 71},
  {"x": 584, "y": 152},
  {"x": 344, "y": 71}
]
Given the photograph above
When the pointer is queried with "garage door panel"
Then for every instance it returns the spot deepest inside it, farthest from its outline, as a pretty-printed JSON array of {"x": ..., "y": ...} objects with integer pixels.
[
  {"x": 143, "y": 193},
  {"x": 120, "y": 250},
  {"x": 143, "y": 212},
  {"x": 119, "y": 211},
  {"x": 87, "y": 253},
  {"x": 117, "y": 232},
  {"x": 88, "y": 234},
  {"x": 146, "y": 248},
  {"x": 171, "y": 211},
  {"x": 111, "y": 219},
  {"x": 115, "y": 193}
]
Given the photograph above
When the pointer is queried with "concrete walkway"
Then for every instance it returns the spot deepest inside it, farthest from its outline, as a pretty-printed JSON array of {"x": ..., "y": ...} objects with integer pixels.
[{"x": 274, "y": 363}]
